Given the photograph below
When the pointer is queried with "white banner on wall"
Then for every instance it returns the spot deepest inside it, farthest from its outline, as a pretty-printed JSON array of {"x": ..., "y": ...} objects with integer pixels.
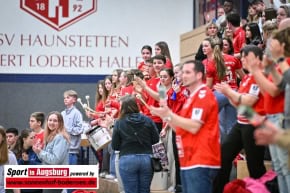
[{"x": 86, "y": 36}]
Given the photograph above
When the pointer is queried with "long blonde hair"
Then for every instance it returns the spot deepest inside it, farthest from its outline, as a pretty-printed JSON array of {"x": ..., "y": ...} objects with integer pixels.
[
  {"x": 215, "y": 44},
  {"x": 49, "y": 135},
  {"x": 3, "y": 147}
]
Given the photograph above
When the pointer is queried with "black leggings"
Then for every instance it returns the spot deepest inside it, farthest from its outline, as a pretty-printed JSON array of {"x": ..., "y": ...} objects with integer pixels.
[
  {"x": 241, "y": 136},
  {"x": 177, "y": 165}
]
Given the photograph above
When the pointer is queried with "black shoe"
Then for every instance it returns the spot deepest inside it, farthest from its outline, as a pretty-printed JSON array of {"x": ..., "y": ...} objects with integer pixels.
[{"x": 178, "y": 188}]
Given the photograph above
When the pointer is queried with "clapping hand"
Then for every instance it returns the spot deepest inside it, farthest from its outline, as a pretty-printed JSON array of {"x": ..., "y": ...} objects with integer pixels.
[
  {"x": 37, "y": 148},
  {"x": 25, "y": 156}
]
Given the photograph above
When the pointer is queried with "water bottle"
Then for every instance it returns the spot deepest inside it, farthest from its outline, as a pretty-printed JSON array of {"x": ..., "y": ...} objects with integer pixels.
[
  {"x": 162, "y": 92},
  {"x": 255, "y": 119}
]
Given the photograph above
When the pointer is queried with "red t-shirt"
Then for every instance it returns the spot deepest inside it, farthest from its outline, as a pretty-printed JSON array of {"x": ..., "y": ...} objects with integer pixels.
[
  {"x": 153, "y": 84},
  {"x": 180, "y": 98},
  {"x": 100, "y": 107},
  {"x": 39, "y": 138},
  {"x": 274, "y": 105},
  {"x": 239, "y": 39},
  {"x": 232, "y": 64},
  {"x": 203, "y": 148},
  {"x": 127, "y": 90},
  {"x": 168, "y": 64},
  {"x": 112, "y": 105},
  {"x": 249, "y": 86},
  {"x": 141, "y": 65}
]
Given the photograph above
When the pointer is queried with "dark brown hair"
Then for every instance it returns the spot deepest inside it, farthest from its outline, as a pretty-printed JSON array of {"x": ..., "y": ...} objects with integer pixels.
[
  {"x": 3, "y": 147},
  {"x": 128, "y": 106},
  {"x": 283, "y": 36}
]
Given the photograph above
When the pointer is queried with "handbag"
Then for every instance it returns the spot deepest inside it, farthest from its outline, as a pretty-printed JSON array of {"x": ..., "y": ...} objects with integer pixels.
[
  {"x": 156, "y": 164},
  {"x": 159, "y": 151},
  {"x": 155, "y": 160},
  {"x": 159, "y": 181}
]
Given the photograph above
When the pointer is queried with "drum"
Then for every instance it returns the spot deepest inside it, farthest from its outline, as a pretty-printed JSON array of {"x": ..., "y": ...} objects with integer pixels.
[
  {"x": 86, "y": 127},
  {"x": 99, "y": 137}
]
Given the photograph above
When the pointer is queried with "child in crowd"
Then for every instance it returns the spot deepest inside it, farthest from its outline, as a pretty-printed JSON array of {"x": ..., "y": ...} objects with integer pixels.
[
  {"x": 73, "y": 121},
  {"x": 36, "y": 122},
  {"x": 12, "y": 137}
]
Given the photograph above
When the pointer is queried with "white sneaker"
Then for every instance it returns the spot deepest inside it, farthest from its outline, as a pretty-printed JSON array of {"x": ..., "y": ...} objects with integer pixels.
[
  {"x": 110, "y": 177},
  {"x": 171, "y": 189},
  {"x": 103, "y": 174}
]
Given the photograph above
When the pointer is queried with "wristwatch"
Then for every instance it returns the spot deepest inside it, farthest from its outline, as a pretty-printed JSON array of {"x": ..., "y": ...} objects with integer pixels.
[
  {"x": 279, "y": 60},
  {"x": 168, "y": 118}
]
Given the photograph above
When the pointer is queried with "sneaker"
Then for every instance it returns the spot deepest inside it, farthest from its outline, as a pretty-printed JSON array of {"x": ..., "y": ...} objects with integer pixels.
[
  {"x": 178, "y": 188},
  {"x": 171, "y": 189},
  {"x": 110, "y": 177},
  {"x": 103, "y": 174}
]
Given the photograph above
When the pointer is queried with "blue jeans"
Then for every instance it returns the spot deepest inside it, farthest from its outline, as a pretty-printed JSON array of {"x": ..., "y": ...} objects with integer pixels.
[
  {"x": 112, "y": 164},
  {"x": 120, "y": 183},
  {"x": 73, "y": 160},
  {"x": 136, "y": 173},
  {"x": 227, "y": 115},
  {"x": 198, "y": 180},
  {"x": 280, "y": 157}
]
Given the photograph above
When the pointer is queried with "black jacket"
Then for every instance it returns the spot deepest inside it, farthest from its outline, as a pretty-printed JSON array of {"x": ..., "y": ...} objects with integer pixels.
[{"x": 134, "y": 134}]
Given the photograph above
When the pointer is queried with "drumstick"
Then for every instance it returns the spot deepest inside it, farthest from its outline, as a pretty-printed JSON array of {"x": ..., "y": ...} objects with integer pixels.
[
  {"x": 85, "y": 106},
  {"x": 95, "y": 112},
  {"x": 138, "y": 96},
  {"x": 80, "y": 101},
  {"x": 88, "y": 101}
]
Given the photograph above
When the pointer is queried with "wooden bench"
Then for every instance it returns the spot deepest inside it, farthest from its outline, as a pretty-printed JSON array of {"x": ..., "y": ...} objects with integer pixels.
[{"x": 242, "y": 169}]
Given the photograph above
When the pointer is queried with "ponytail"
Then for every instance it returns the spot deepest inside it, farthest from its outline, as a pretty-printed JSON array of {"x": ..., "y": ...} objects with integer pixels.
[{"x": 219, "y": 60}]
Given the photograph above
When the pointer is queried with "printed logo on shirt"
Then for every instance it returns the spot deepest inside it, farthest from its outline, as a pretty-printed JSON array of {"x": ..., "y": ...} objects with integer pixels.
[
  {"x": 201, "y": 94},
  {"x": 254, "y": 90},
  {"x": 179, "y": 146},
  {"x": 196, "y": 113}
]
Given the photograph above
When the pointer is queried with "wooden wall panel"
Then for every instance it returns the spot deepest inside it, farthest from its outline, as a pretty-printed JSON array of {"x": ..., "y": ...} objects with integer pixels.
[{"x": 190, "y": 42}]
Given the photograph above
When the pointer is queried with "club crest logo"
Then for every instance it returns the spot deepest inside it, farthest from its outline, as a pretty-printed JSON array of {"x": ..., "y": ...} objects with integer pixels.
[{"x": 59, "y": 14}]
